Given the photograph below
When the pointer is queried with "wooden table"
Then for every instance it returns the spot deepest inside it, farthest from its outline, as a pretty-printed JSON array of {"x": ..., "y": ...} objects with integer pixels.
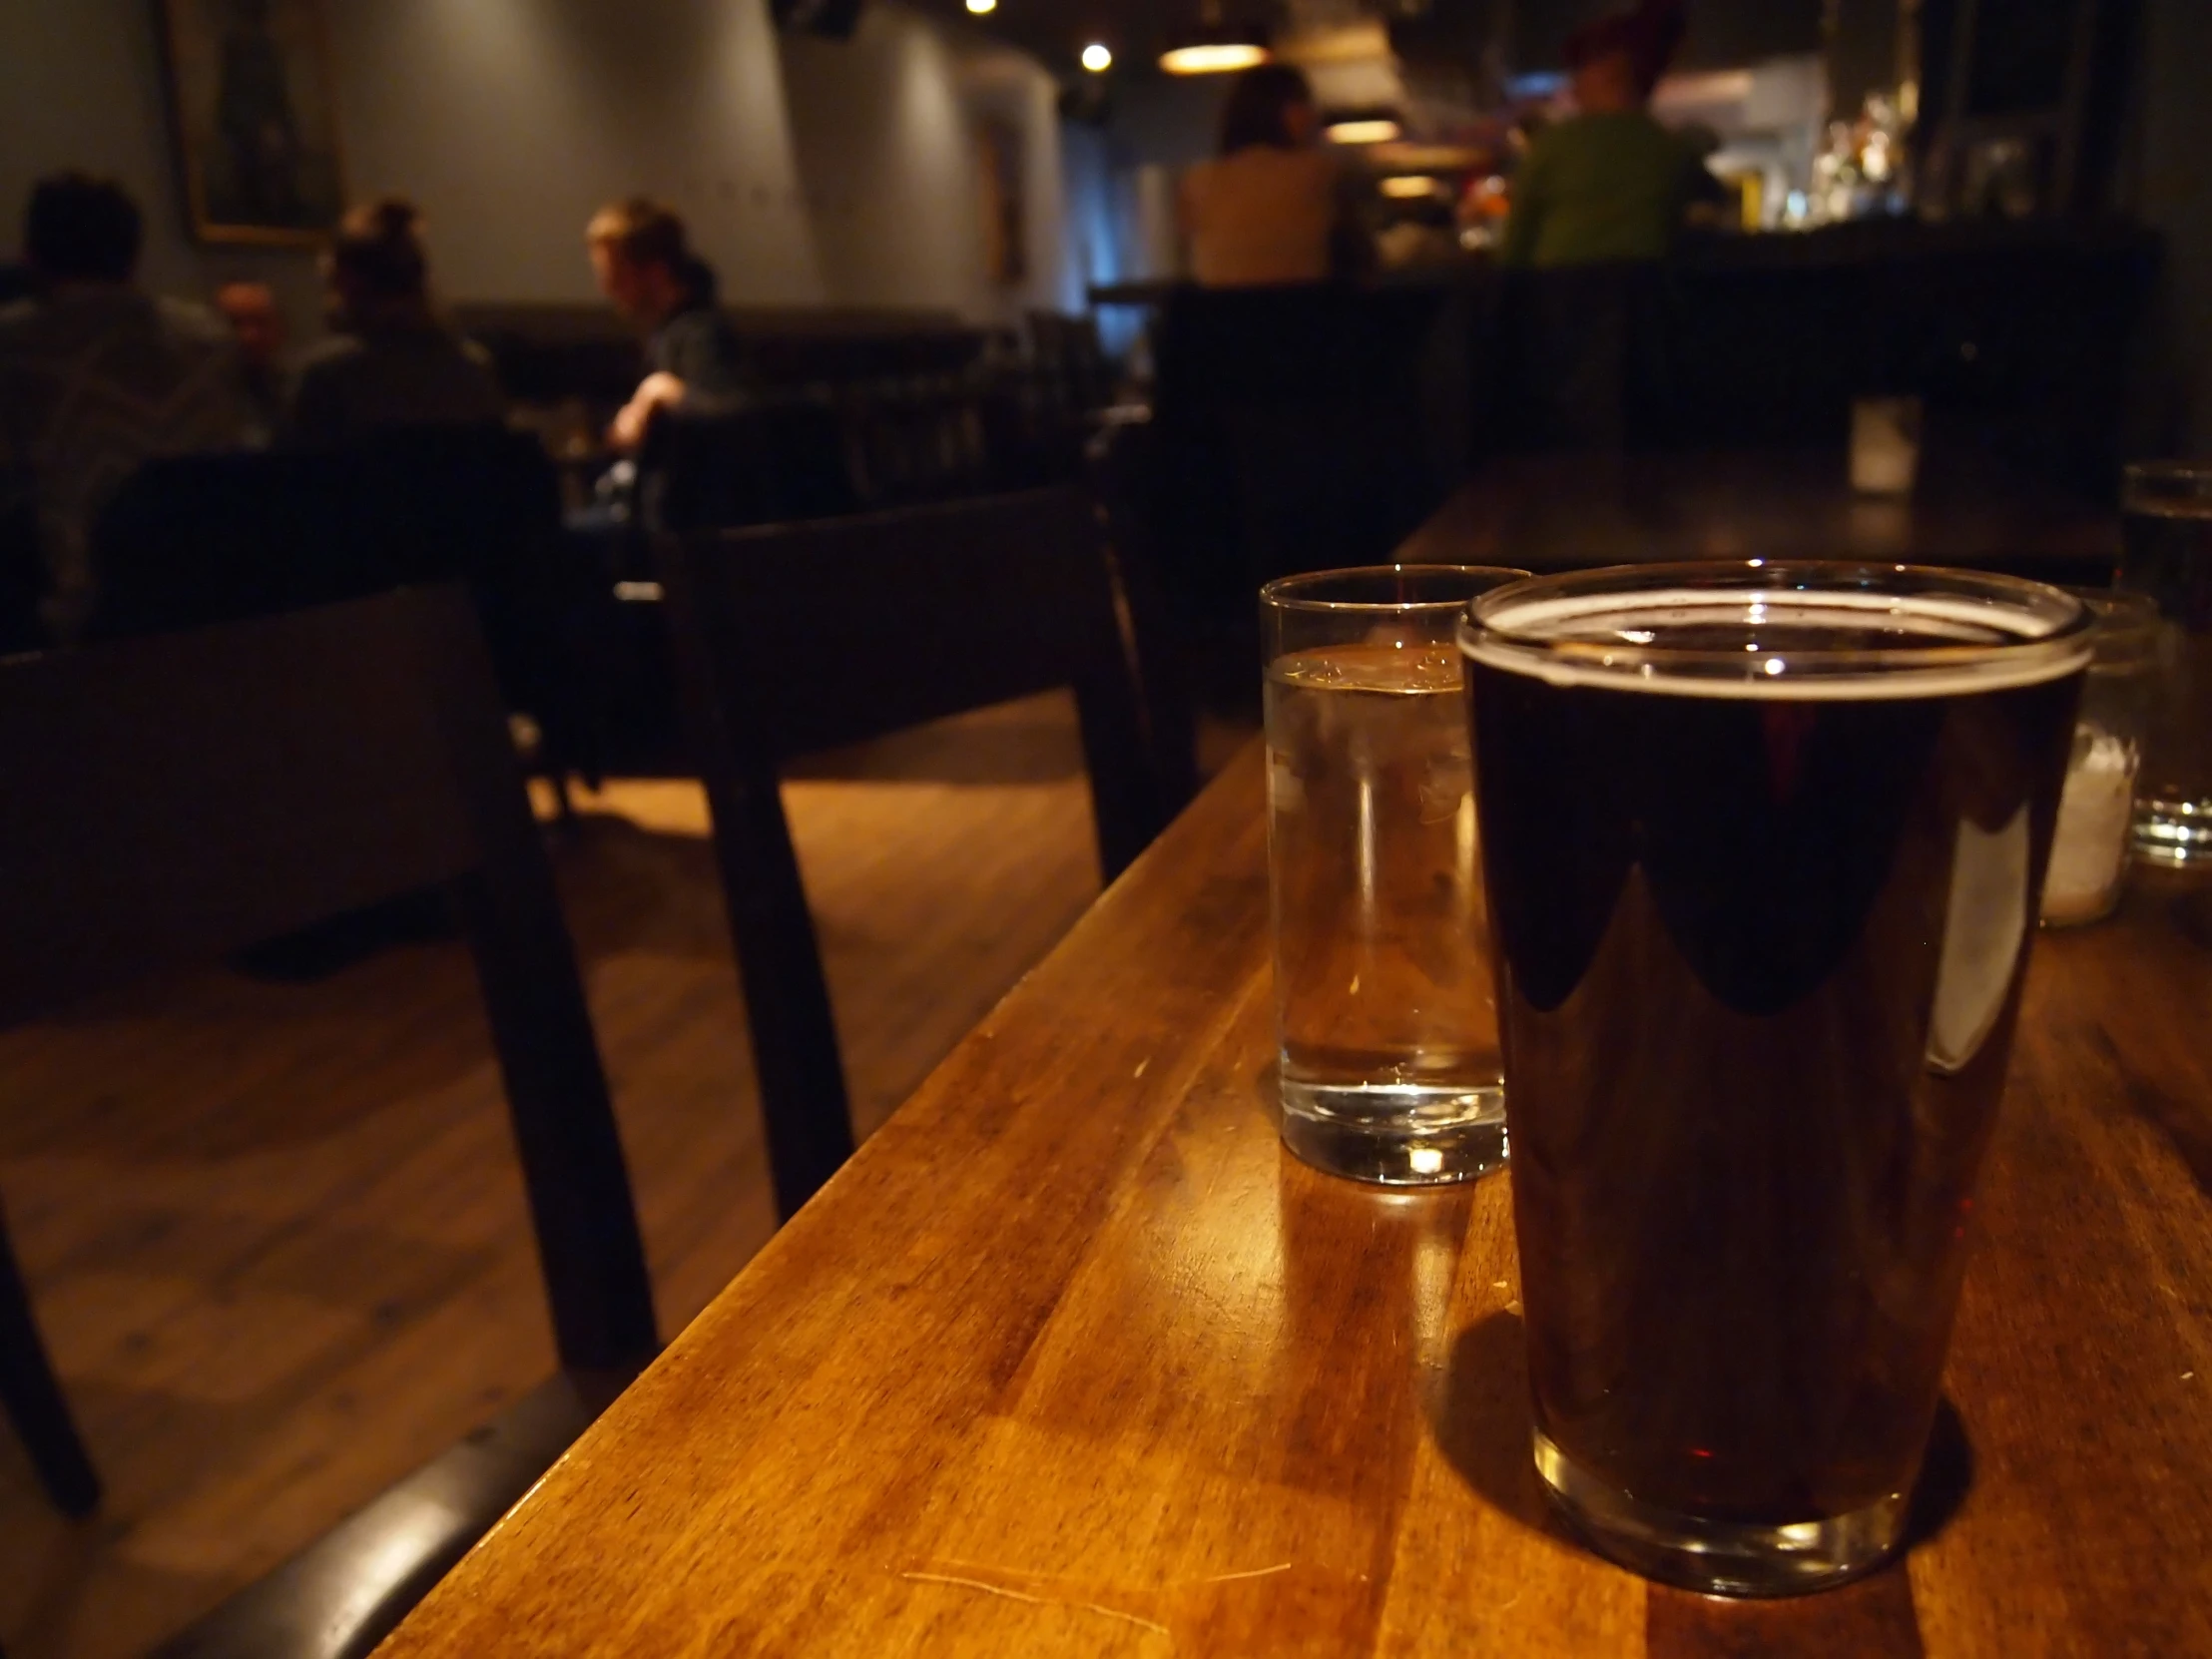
[
  {"x": 1557, "y": 512},
  {"x": 1072, "y": 1358}
]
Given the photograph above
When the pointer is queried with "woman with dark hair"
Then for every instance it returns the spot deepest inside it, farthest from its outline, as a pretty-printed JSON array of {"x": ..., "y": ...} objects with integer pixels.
[
  {"x": 1266, "y": 209},
  {"x": 394, "y": 363},
  {"x": 1608, "y": 183},
  {"x": 644, "y": 260}
]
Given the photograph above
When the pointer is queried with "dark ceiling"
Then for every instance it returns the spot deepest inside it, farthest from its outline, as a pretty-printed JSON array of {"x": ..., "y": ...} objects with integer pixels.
[{"x": 1526, "y": 34}]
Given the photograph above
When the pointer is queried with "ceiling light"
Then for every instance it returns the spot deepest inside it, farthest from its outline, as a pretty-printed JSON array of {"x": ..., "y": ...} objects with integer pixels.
[
  {"x": 1408, "y": 185},
  {"x": 981, "y": 7},
  {"x": 1378, "y": 131},
  {"x": 1213, "y": 57},
  {"x": 1097, "y": 59}
]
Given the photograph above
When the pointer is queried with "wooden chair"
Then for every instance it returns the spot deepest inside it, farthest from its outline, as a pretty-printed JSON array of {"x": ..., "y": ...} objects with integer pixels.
[
  {"x": 172, "y": 798},
  {"x": 797, "y": 638},
  {"x": 191, "y": 540},
  {"x": 780, "y": 459}
]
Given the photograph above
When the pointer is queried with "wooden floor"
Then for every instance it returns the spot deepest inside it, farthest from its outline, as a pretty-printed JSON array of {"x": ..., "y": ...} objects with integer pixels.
[{"x": 275, "y": 1232}]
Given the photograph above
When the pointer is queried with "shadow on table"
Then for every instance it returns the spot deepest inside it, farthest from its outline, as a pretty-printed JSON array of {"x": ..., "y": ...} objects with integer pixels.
[
  {"x": 1482, "y": 1426},
  {"x": 1482, "y": 1422}
]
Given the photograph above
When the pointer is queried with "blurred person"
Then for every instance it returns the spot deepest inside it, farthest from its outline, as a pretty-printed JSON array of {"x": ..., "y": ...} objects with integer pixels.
[
  {"x": 1268, "y": 207},
  {"x": 257, "y": 326},
  {"x": 96, "y": 375},
  {"x": 642, "y": 258},
  {"x": 1608, "y": 183},
  {"x": 394, "y": 361}
]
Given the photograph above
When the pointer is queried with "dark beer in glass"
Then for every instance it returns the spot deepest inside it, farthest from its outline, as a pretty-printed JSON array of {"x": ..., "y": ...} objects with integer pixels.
[{"x": 1763, "y": 846}]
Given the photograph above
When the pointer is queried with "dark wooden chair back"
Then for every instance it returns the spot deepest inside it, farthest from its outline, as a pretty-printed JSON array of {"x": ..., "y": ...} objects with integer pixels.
[
  {"x": 800, "y": 637},
  {"x": 22, "y": 579},
  {"x": 1290, "y": 434},
  {"x": 172, "y": 798},
  {"x": 779, "y": 460},
  {"x": 192, "y": 540}
]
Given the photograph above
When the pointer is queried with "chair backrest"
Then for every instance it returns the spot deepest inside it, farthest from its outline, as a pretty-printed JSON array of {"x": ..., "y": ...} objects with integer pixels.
[
  {"x": 799, "y": 638},
  {"x": 189, "y": 540},
  {"x": 23, "y": 576},
  {"x": 175, "y": 797},
  {"x": 1290, "y": 434},
  {"x": 782, "y": 460},
  {"x": 194, "y": 540}
]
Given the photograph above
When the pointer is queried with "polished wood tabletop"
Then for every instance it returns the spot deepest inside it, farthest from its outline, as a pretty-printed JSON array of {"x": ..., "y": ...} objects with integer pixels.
[
  {"x": 1566, "y": 511},
  {"x": 1073, "y": 1359}
]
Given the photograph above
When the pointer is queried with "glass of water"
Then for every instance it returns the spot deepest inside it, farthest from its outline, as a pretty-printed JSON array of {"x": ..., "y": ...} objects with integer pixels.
[
  {"x": 1387, "y": 1023},
  {"x": 2167, "y": 555}
]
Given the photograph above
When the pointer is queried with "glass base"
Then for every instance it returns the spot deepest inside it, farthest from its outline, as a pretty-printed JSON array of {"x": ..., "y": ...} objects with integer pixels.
[
  {"x": 2175, "y": 833},
  {"x": 1397, "y": 1134},
  {"x": 1723, "y": 1558},
  {"x": 2079, "y": 909}
]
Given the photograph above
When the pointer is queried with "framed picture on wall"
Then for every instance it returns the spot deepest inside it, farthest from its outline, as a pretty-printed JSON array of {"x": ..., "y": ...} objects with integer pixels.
[
  {"x": 250, "y": 95},
  {"x": 998, "y": 157}
]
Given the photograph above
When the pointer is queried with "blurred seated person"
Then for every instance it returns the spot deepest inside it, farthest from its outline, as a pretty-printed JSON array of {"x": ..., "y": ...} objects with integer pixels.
[
  {"x": 1609, "y": 183},
  {"x": 642, "y": 255},
  {"x": 258, "y": 324},
  {"x": 396, "y": 362},
  {"x": 96, "y": 375},
  {"x": 1266, "y": 209}
]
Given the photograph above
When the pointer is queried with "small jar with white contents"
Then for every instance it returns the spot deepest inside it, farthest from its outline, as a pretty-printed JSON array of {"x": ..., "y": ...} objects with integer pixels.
[{"x": 2088, "y": 855}]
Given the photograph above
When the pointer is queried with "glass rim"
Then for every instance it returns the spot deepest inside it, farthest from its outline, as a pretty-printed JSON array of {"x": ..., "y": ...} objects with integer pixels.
[
  {"x": 1282, "y": 594},
  {"x": 2067, "y": 643}
]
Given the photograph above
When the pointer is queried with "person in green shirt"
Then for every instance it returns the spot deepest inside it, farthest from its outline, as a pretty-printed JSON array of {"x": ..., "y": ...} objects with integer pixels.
[{"x": 1608, "y": 183}]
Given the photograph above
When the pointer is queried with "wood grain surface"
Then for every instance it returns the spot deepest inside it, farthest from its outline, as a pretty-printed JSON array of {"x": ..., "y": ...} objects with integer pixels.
[{"x": 1072, "y": 1358}]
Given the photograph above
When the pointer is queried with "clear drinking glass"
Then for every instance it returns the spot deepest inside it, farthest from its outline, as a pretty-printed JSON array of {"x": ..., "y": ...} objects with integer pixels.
[
  {"x": 1762, "y": 844},
  {"x": 1387, "y": 1030},
  {"x": 2088, "y": 855},
  {"x": 2167, "y": 554}
]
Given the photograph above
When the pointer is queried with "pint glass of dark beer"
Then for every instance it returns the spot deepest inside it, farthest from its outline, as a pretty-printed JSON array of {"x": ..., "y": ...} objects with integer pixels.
[{"x": 1763, "y": 845}]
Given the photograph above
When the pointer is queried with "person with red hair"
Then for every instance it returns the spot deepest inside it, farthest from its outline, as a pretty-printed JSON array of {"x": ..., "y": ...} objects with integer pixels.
[{"x": 1608, "y": 183}]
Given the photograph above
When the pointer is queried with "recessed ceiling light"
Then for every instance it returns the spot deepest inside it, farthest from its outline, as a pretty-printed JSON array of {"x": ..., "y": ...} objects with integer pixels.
[
  {"x": 1213, "y": 57},
  {"x": 1097, "y": 59},
  {"x": 981, "y": 7},
  {"x": 1363, "y": 132}
]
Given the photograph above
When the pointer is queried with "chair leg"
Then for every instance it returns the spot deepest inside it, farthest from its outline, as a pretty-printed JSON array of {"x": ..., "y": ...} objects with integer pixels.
[{"x": 33, "y": 1398}]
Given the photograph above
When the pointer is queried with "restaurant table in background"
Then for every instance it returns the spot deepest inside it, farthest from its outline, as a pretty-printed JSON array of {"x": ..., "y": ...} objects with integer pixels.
[
  {"x": 1566, "y": 511},
  {"x": 1073, "y": 1359}
]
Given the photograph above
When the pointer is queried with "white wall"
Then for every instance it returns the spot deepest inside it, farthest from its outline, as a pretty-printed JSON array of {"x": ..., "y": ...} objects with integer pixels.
[
  {"x": 810, "y": 170},
  {"x": 511, "y": 121},
  {"x": 884, "y": 125}
]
